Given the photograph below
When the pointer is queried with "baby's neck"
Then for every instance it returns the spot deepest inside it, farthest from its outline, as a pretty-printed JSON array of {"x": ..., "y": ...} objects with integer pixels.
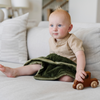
[{"x": 58, "y": 40}]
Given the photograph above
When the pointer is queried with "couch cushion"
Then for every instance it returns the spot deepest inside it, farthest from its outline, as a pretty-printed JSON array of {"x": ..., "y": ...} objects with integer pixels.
[
  {"x": 27, "y": 88},
  {"x": 91, "y": 44},
  {"x": 38, "y": 42},
  {"x": 38, "y": 45},
  {"x": 13, "y": 39}
]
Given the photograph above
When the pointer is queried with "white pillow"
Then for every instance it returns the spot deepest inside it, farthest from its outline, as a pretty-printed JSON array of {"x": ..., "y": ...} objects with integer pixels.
[
  {"x": 13, "y": 39},
  {"x": 91, "y": 44}
]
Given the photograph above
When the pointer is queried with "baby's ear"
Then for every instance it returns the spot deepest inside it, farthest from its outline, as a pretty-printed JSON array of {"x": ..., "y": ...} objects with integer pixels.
[{"x": 70, "y": 28}]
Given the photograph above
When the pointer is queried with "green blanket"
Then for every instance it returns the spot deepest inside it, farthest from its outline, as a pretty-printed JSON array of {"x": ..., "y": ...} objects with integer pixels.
[{"x": 53, "y": 67}]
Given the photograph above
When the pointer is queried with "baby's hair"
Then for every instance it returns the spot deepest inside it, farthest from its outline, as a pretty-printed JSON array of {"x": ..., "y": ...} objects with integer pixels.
[{"x": 58, "y": 8}]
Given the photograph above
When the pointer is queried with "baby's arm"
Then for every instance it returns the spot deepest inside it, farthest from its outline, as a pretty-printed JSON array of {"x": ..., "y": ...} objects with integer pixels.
[{"x": 80, "y": 73}]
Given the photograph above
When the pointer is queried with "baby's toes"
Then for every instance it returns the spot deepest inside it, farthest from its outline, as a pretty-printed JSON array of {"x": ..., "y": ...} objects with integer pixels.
[
  {"x": 0, "y": 65},
  {"x": 2, "y": 69}
]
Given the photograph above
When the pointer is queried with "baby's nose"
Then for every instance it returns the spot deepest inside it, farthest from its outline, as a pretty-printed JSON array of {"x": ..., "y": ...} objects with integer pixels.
[{"x": 55, "y": 28}]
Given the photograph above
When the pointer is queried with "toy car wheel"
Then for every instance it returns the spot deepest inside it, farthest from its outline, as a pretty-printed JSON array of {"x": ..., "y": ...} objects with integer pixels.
[
  {"x": 79, "y": 86},
  {"x": 94, "y": 84}
]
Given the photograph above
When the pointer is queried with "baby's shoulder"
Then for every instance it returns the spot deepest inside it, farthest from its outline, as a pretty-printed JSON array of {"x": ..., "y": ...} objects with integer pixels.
[
  {"x": 50, "y": 39},
  {"x": 73, "y": 37}
]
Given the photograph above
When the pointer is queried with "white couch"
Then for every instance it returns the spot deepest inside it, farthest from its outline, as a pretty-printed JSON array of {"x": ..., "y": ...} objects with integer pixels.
[{"x": 14, "y": 53}]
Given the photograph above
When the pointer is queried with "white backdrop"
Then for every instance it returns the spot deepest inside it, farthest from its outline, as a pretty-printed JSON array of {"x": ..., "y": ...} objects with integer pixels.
[
  {"x": 35, "y": 10},
  {"x": 84, "y": 10}
]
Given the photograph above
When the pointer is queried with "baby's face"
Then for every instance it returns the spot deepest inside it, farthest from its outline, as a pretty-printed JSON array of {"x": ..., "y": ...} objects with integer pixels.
[{"x": 58, "y": 26}]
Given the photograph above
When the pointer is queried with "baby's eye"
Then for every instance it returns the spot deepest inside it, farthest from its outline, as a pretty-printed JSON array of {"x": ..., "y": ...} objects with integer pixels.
[
  {"x": 51, "y": 25},
  {"x": 59, "y": 25}
]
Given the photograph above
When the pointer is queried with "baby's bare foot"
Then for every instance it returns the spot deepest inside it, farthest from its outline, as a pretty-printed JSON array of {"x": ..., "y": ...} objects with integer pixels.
[{"x": 9, "y": 72}]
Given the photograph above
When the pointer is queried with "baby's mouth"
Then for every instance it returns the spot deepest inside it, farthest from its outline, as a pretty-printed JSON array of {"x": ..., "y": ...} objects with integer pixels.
[{"x": 55, "y": 33}]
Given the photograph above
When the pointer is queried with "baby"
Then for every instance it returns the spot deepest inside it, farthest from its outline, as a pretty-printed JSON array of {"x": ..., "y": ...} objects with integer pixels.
[{"x": 62, "y": 43}]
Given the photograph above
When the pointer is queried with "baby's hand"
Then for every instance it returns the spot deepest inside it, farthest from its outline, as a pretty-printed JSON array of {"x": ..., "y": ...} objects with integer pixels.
[{"x": 80, "y": 75}]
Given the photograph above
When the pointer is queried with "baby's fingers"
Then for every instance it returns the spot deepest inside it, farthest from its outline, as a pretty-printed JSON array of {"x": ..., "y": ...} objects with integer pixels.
[
  {"x": 82, "y": 76},
  {"x": 84, "y": 73},
  {"x": 79, "y": 78}
]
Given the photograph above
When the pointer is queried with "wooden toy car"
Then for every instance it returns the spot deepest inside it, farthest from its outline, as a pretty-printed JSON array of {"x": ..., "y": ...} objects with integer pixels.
[{"x": 87, "y": 82}]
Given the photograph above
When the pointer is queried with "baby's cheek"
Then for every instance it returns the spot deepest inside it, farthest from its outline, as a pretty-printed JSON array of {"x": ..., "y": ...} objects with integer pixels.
[
  {"x": 62, "y": 31},
  {"x": 50, "y": 30}
]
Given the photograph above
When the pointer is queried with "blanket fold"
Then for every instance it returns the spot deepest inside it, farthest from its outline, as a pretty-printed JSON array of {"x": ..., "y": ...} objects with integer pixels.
[{"x": 53, "y": 67}]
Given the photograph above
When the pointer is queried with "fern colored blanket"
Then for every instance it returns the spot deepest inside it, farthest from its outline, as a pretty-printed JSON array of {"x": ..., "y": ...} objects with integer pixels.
[{"x": 53, "y": 67}]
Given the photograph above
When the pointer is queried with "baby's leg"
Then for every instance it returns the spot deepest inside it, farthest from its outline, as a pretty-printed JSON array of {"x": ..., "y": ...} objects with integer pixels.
[
  {"x": 66, "y": 78},
  {"x": 24, "y": 70}
]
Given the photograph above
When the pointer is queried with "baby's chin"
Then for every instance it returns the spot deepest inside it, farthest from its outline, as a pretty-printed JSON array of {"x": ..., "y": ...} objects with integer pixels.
[{"x": 57, "y": 36}]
